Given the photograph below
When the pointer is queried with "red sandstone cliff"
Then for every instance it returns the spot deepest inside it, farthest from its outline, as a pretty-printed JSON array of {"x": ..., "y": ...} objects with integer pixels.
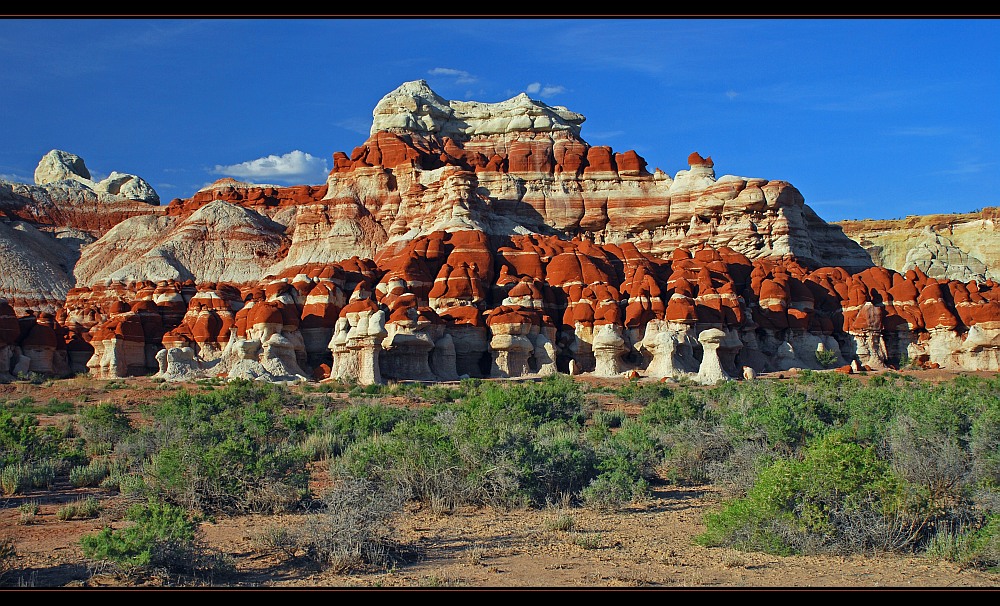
[{"x": 462, "y": 238}]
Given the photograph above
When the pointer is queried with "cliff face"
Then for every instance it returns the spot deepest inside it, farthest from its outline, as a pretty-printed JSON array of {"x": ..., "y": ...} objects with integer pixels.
[
  {"x": 958, "y": 246},
  {"x": 523, "y": 162},
  {"x": 464, "y": 239}
]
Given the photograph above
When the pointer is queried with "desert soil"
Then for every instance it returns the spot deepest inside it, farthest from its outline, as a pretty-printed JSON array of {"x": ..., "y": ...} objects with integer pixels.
[{"x": 646, "y": 546}]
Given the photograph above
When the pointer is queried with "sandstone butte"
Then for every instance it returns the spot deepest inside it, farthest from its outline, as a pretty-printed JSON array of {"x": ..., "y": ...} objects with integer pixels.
[{"x": 466, "y": 239}]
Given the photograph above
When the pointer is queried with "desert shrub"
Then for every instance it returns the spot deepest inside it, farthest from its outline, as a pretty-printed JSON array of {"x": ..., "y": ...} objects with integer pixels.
[
  {"x": 643, "y": 393},
  {"x": 225, "y": 450},
  {"x": 354, "y": 530},
  {"x": 494, "y": 440},
  {"x": 507, "y": 446},
  {"x": 91, "y": 474},
  {"x": 103, "y": 425},
  {"x": 562, "y": 523},
  {"x": 360, "y": 420},
  {"x": 932, "y": 459},
  {"x": 22, "y": 440},
  {"x": 19, "y": 477},
  {"x": 417, "y": 456},
  {"x": 115, "y": 384},
  {"x": 608, "y": 418},
  {"x": 865, "y": 525},
  {"x": 35, "y": 378},
  {"x": 626, "y": 460},
  {"x": 160, "y": 534},
  {"x": 826, "y": 358},
  {"x": 277, "y": 539},
  {"x": 555, "y": 397},
  {"x": 89, "y": 507},
  {"x": 672, "y": 407},
  {"x": 984, "y": 449},
  {"x": 320, "y": 445},
  {"x": 27, "y": 405},
  {"x": 563, "y": 462},
  {"x": 522, "y": 446},
  {"x": 794, "y": 503},
  {"x": 777, "y": 413},
  {"x": 29, "y": 512},
  {"x": 694, "y": 451},
  {"x": 972, "y": 545},
  {"x": 372, "y": 390},
  {"x": 66, "y": 512},
  {"x": 614, "y": 488},
  {"x": 13, "y": 479},
  {"x": 737, "y": 471},
  {"x": 84, "y": 507}
]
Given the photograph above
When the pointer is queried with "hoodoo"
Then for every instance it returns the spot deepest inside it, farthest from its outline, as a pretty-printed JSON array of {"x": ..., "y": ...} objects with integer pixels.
[{"x": 469, "y": 239}]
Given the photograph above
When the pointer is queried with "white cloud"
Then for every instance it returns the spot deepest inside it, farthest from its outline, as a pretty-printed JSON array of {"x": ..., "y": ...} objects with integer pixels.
[
  {"x": 295, "y": 166},
  {"x": 732, "y": 94},
  {"x": 536, "y": 88},
  {"x": 461, "y": 77}
]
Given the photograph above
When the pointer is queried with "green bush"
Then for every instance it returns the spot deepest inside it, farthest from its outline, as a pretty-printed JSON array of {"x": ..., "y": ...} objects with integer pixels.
[
  {"x": 563, "y": 463},
  {"x": 780, "y": 414},
  {"x": 976, "y": 546},
  {"x": 160, "y": 534},
  {"x": 794, "y": 501},
  {"x": 103, "y": 425},
  {"x": 13, "y": 479},
  {"x": 29, "y": 512},
  {"x": 361, "y": 420},
  {"x": 626, "y": 461},
  {"x": 826, "y": 358},
  {"x": 22, "y": 440},
  {"x": 501, "y": 445},
  {"x": 85, "y": 507},
  {"x": 417, "y": 456},
  {"x": 672, "y": 407},
  {"x": 18, "y": 477},
  {"x": 226, "y": 450},
  {"x": 555, "y": 397},
  {"x": 92, "y": 474}
]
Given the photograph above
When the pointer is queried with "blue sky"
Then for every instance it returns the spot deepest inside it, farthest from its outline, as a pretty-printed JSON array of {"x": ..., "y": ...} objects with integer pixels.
[{"x": 868, "y": 118}]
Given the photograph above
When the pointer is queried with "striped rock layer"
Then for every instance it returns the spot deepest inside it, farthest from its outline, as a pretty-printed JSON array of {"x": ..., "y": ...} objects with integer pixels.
[{"x": 464, "y": 239}]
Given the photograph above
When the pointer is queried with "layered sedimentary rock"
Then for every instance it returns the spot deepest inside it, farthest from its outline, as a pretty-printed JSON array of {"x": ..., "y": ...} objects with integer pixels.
[
  {"x": 217, "y": 242},
  {"x": 959, "y": 246},
  {"x": 466, "y": 239},
  {"x": 44, "y": 225}
]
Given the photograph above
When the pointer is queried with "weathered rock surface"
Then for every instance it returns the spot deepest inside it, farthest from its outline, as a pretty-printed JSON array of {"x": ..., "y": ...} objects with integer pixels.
[
  {"x": 470, "y": 239},
  {"x": 959, "y": 246},
  {"x": 44, "y": 226}
]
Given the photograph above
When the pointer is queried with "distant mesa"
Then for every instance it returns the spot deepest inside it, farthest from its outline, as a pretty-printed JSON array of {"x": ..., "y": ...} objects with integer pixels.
[{"x": 468, "y": 239}]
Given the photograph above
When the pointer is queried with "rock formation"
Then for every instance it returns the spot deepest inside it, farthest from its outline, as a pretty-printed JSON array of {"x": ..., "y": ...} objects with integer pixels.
[
  {"x": 960, "y": 246},
  {"x": 467, "y": 239}
]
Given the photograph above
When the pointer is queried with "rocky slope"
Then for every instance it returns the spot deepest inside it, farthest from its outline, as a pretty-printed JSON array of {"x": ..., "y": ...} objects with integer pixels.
[
  {"x": 44, "y": 226},
  {"x": 958, "y": 246},
  {"x": 467, "y": 239}
]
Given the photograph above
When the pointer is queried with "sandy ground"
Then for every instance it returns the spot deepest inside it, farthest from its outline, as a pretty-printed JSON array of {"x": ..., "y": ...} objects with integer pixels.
[{"x": 648, "y": 546}]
